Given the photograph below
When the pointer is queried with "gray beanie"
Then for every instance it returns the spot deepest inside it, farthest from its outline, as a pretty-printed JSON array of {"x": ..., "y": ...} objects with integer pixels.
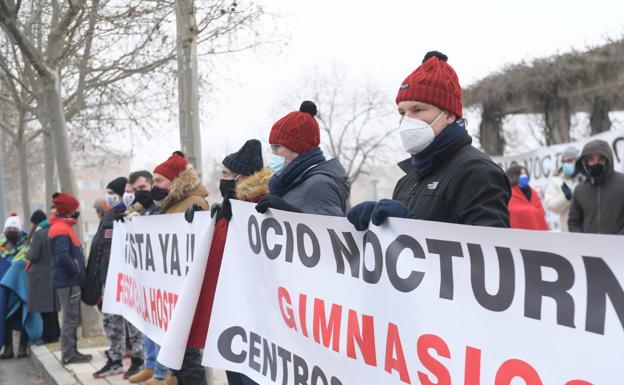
[{"x": 571, "y": 152}]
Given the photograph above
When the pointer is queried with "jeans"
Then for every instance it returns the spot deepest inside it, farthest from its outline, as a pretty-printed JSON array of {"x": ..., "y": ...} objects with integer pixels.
[{"x": 151, "y": 352}]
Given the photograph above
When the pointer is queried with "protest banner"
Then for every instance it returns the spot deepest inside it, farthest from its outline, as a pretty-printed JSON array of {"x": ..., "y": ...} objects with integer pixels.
[
  {"x": 305, "y": 299},
  {"x": 150, "y": 259},
  {"x": 544, "y": 161}
]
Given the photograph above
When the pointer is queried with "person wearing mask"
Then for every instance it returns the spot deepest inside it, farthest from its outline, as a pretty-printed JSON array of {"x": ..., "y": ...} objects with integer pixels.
[
  {"x": 597, "y": 203},
  {"x": 525, "y": 207},
  {"x": 304, "y": 180},
  {"x": 243, "y": 178},
  {"x": 558, "y": 194},
  {"x": 68, "y": 273},
  {"x": 116, "y": 328},
  {"x": 446, "y": 178},
  {"x": 176, "y": 188},
  {"x": 42, "y": 298},
  {"x": 13, "y": 245}
]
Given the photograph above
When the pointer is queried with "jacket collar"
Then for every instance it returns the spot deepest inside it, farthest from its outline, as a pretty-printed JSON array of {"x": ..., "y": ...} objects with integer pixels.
[{"x": 440, "y": 158}]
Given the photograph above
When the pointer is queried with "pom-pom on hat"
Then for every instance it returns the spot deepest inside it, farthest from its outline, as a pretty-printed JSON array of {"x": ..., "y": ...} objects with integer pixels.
[
  {"x": 298, "y": 131},
  {"x": 13, "y": 221},
  {"x": 247, "y": 160},
  {"x": 434, "y": 82},
  {"x": 173, "y": 166},
  {"x": 65, "y": 203}
]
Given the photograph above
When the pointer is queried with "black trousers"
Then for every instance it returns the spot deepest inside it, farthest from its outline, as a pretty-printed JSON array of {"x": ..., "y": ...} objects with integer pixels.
[
  {"x": 51, "y": 327},
  {"x": 192, "y": 372}
]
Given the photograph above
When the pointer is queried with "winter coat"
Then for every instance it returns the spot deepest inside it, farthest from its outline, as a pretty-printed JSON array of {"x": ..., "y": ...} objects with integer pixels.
[
  {"x": 462, "y": 186},
  {"x": 42, "y": 295},
  {"x": 11, "y": 252},
  {"x": 322, "y": 189},
  {"x": 186, "y": 191},
  {"x": 102, "y": 240},
  {"x": 68, "y": 262},
  {"x": 524, "y": 213},
  {"x": 556, "y": 201},
  {"x": 598, "y": 203},
  {"x": 250, "y": 189}
]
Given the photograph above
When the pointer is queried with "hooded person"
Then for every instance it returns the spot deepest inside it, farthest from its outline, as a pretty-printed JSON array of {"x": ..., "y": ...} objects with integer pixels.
[
  {"x": 176, "y": 188},
  {"x": 68, "y": 272},
  {"x": 558, "y": 193},
  {"x": 446, "y": 178},
  {"x": 597, "y": 204},
  {"x": 116, "y": 327},
  {"x": 525, "y": 207},
  {"x": 244, "y": 178},
  {"x": 42, "y": 298},
  {"x": 304, "y": 180}
]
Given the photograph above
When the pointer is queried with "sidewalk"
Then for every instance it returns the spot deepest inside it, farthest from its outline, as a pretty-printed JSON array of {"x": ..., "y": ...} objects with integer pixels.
[{"x": 82, "y": 374}]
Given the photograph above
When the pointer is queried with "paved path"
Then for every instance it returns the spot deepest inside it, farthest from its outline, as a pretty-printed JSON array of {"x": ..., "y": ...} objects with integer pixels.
[{"x": 22, "y": 371}]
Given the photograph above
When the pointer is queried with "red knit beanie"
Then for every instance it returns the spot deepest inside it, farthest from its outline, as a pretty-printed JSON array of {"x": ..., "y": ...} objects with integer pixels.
[
  {"x": 64, "y": 203},
  {"x": 434, "y": 82},
  {"x": 298, "y": 131},
  {"x": 172, "y": 167}
]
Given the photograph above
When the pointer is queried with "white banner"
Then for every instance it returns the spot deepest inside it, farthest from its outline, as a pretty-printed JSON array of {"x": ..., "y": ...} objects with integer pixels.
[
  {"x": 541, "y": 163},
  {"x": 305, "y": 299},
  {"x": 150, "y": 259}
]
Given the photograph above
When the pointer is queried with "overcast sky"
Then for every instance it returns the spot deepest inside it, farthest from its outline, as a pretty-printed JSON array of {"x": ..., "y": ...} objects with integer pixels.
[{"x": 382, "y": 42}]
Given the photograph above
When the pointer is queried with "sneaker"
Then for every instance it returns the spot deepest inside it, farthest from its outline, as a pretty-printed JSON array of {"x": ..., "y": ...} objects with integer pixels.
[
  {"x": 141, "y": 376},
  {"x": 78, "y": 358},
  {"x": 111, "y": 368},
  {"x": 135, "y": 367}
]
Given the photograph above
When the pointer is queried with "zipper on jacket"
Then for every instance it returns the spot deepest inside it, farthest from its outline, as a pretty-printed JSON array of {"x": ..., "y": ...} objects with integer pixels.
[
  {"x": 409, "y": 203},
  {"x": 599, "y": 227}
]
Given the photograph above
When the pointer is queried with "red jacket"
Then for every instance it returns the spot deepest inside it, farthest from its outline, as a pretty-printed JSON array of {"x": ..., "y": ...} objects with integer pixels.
[
  {"x": 250, "y": 190},
  {"x": 525, "y": 214}
]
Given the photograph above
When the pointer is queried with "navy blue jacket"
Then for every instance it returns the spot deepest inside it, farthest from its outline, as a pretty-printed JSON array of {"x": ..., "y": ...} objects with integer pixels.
[{"x": 68, "y": 261}]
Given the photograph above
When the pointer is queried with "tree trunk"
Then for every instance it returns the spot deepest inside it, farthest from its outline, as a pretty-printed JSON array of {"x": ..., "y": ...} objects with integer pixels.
[
  {"x": 49, "y": 167},
  {"x": 22, "y": 154},
  {"x": 557, "y": 119},
  {"x": 599, "y": 120},
  {"x": 188, "y": 96},
  {"x": 491, "y": 130}
]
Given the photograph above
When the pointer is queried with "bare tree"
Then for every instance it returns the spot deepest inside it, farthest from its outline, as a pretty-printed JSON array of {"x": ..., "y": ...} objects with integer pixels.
[{"x": 357, "y": 121}]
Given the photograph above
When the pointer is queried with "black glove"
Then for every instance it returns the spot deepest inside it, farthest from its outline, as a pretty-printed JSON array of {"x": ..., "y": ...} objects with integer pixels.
[
  {"x": 389, "y": 208},
  {"x": 275, "y": 202},
  {"x": 360, "y": 214},
  {"x": 189, "y": 214},
  {"x": 215, "y": 209},
  {"x": 119, "y": 217},
  {"x": 566, "y": 191}
]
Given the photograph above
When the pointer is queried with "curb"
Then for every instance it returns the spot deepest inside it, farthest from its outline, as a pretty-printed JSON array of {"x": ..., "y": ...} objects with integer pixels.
[{"x": 51, "y": 366}]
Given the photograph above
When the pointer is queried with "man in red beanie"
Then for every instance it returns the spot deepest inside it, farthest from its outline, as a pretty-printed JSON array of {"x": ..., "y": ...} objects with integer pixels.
[
  {"x": 447, "y": 179},
  {"x": 304, "y": 180},
  {"x": 68, "y": 273}
]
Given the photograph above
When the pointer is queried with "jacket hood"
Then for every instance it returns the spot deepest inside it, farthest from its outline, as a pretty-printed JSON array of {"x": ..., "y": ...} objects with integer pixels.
[
  {"x": 596, "y": 147},
  {"x": 186, "y": 184},
  {"x": 254, "y": 186},
  {"x": 333, "y": 169}
]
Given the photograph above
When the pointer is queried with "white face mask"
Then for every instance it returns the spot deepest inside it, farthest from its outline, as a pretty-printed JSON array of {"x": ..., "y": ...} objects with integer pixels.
[
  {"x": 416, "y": 134},
  {"x": 112, "y": 200},
  {"x": 128, "y": 198}
]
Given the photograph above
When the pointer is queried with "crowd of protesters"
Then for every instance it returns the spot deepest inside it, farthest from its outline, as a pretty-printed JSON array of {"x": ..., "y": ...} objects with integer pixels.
[{"x": 446, "y": 179}]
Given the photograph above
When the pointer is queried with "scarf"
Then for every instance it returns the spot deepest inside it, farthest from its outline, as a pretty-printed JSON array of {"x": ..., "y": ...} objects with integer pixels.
[
  {"x": 423, "y": 160},
  {"x": 293, "y": 172}
]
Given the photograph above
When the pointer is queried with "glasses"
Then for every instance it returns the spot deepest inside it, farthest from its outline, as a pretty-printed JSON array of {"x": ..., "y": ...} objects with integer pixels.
[{"x": 274, "y": 148}]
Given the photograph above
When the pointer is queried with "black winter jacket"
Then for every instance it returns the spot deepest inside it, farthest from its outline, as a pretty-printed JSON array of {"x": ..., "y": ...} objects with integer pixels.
[
  {"x": 598, "y": 203},
  {"x": 462, "y": 186},
  {"x": 102, "y": 240}
]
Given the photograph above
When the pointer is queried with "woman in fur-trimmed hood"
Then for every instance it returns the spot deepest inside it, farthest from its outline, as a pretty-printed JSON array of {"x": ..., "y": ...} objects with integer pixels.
[
  {"x": 177, "y": 186},
  {"x": 244, "y": 178}
]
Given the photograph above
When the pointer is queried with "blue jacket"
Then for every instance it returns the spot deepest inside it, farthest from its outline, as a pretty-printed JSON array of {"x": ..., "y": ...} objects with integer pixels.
[{"x": 68, "y": 261}]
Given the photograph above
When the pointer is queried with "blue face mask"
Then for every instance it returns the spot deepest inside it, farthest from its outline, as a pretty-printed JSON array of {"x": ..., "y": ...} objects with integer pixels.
[
  {"x": 523, "y": 181},
  {"x": 277, "y": 163},
  {"x": 568, "y": 169}
]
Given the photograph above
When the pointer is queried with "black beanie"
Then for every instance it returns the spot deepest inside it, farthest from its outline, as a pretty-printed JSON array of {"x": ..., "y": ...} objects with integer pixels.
[
  {"x": 37, "y": 217},
  {"x": 247, "y": 160},
  {"x": 118, "y": 185}
]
